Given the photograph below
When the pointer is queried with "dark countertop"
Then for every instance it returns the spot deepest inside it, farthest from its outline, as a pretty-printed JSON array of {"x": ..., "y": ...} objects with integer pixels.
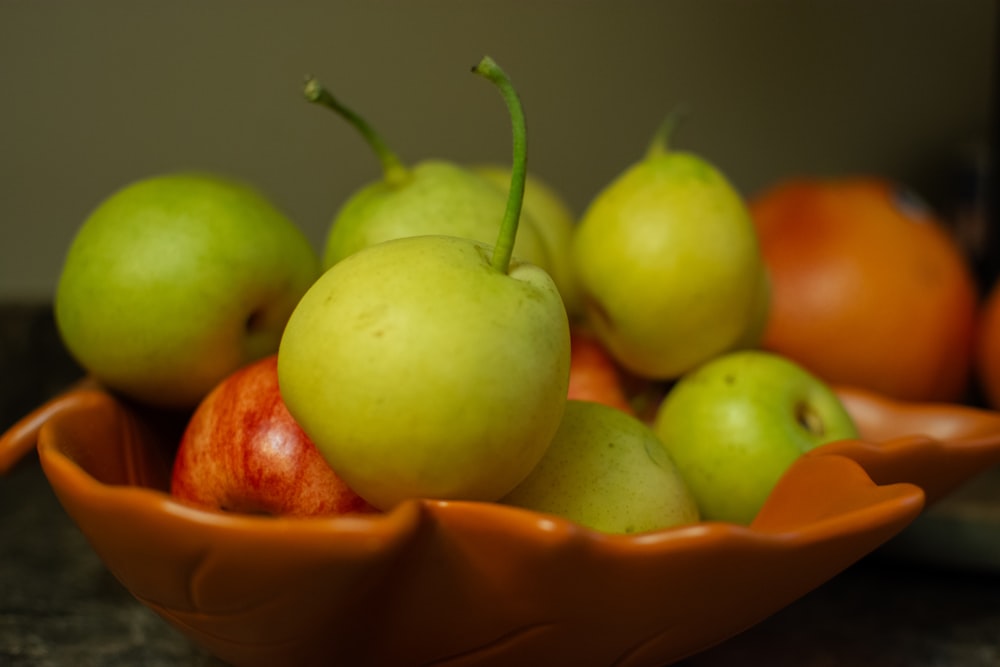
[{"x": 60, "y": 606}]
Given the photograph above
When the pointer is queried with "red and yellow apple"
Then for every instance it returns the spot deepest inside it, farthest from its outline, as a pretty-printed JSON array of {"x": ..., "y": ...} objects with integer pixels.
[{"x": 243, "y": 452}]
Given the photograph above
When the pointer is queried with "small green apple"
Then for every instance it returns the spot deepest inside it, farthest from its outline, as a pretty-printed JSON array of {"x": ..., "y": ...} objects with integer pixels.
[
  {"x": 669, "y": 263},
  {"x": 555, "y": 223},
  {"x": 431, "y": 197},
  {"x": 735, "y": 424},
  {"x": 177, "y": 280},
  {"x": 608, "y": 471},
  {"x": 432, "y": 366}
]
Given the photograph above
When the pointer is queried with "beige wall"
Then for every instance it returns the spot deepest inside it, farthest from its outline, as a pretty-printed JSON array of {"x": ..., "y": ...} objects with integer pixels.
[{"x": 95, "y": 94}]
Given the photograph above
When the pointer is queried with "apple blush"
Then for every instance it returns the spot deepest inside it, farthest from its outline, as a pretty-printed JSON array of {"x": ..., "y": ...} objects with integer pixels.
[
  {"x": 243, "y": 452},
  {"x": 593, "y": 373}
]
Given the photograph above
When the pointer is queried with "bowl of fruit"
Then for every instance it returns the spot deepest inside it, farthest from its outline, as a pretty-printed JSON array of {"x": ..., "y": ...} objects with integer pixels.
[
  {"x": 479, "y": 583},
  {"x": 428, "y": 448}
]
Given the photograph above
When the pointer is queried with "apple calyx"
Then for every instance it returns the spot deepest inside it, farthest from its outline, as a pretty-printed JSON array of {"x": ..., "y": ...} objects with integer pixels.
[
  {"x": 394, "y": 172},
  {"x": 809, "y": 419},
  {"x": 504, "y": 247}
]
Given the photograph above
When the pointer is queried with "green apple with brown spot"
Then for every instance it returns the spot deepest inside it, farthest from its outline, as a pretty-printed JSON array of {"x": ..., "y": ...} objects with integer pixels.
[
  {"x": 175, "y": 281},
  {"x": 735, "y": 424}
]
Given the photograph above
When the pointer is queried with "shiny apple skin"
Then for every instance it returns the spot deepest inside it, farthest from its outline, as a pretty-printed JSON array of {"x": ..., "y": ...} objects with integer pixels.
[{"x": 243, "y": 452}]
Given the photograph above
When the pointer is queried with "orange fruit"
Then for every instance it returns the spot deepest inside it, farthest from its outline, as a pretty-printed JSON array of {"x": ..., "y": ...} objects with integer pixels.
[
  {"x": 868, "y": 288},
  {"x": 593, "y": 373}
]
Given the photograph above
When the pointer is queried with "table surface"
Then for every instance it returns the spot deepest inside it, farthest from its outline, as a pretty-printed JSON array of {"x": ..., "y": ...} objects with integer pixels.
[{"x": 60, "y": 606}]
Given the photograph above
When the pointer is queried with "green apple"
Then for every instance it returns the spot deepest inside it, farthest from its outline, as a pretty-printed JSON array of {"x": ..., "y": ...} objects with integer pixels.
[
  {"x": 669, "y": 263},
  {"x": 608, "y": 471},
  {"x": 432, "y": 366},
  {"x": 555, "y": 223},
  {"x": 735, "y": 424},
  {"x": 175, "y": 281},
  {"x": 432, "y": 197}
]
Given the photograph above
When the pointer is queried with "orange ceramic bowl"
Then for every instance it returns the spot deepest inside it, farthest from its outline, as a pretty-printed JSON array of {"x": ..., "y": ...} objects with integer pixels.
[{"x": 465, "y": 583}]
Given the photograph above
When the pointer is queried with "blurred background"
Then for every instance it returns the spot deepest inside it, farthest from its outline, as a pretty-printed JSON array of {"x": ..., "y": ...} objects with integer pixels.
[{"x": 98, "y": 94}]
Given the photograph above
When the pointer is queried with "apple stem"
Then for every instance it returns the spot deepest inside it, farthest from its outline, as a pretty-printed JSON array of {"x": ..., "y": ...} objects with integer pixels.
[
  {"x": 504, "y": 248},
  {"x": 393, "y": 170},
  {"x": 661, "y": 140}
]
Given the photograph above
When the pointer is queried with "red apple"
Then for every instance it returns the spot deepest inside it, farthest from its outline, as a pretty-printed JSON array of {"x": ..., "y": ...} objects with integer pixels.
[
  {"x": 593, "y": 374},
  {"x": 243, "y": 452}
]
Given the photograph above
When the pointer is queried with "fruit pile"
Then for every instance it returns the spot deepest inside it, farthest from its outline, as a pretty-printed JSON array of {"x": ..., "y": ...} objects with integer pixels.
[{"x": 660, "y": 361}]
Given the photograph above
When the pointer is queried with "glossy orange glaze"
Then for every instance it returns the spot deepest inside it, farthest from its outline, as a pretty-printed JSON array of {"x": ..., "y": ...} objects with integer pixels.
[{"x": 463, "y": 583}]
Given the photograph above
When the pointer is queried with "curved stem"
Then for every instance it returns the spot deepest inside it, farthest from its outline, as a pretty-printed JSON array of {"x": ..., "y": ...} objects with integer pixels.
[
  {"x": 661, "y": 140},
  {"x": 504, "y": 247},
  {"x": 393, "y": 170}
]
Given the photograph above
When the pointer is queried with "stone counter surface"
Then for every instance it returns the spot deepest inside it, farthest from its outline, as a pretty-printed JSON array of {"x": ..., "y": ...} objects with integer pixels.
[{"x": 60, "y": 606}]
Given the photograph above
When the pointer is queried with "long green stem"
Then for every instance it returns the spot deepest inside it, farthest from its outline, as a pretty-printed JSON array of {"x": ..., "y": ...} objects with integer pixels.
[
  {"x": 504, "y": 247},
  {"x": 661, "y": 140},
  {"x": 393, "y": 170}
]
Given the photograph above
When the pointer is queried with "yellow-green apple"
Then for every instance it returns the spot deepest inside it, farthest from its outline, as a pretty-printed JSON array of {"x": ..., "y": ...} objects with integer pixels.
[
  {"x": 735, "y": 424},
  {"x": 177, "y": 280},
  {"x": 432, "y": 366},
  {"x": 608, "y": 471},
  {"x": 593, "y": 374},
  {"x": 243, "y": 452},
  {"x": 668, "y": 262},
  {"x": 554, "y": 221},
  {"x": 432, "y": 197}
]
